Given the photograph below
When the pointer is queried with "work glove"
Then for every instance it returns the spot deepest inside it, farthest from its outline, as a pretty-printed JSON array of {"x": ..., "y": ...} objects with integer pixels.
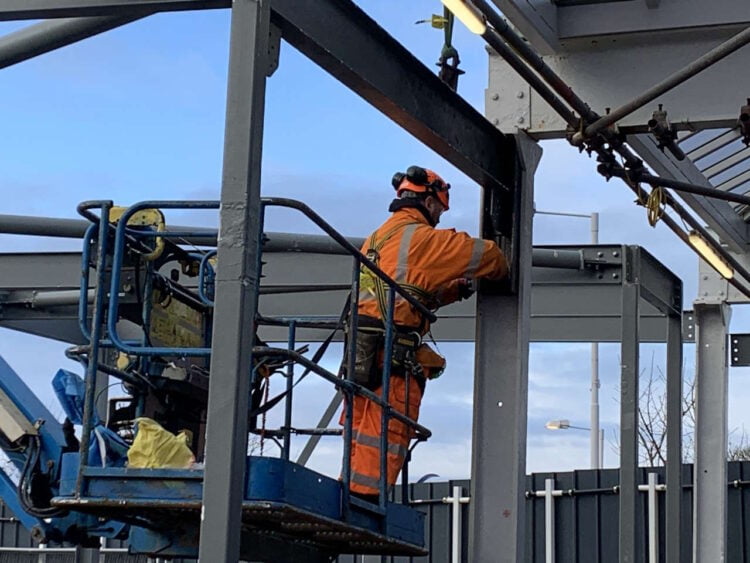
[{"x": 466, "y": 288}]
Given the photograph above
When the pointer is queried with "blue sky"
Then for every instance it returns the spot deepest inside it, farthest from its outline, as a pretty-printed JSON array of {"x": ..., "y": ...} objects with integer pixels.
[{"x": 138, "y": 113}]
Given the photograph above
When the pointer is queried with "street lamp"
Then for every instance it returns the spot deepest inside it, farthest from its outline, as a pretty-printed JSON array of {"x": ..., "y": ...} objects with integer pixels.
[
  {"x": 594, "y": 441},
  {"x": 564, "y": 424}
]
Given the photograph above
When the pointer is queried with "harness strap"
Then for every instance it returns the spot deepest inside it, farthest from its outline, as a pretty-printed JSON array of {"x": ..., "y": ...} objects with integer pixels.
[{"x": 380, "y": 289}]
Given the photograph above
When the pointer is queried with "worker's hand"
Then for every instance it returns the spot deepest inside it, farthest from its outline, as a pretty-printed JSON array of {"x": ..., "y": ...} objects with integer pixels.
[{"x": 466, "y": 288}]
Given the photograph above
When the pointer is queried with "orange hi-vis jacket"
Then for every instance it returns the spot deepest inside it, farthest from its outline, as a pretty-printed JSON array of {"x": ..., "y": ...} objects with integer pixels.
[
  {"x": 419, "y": 256},
  {"x": 429, "y": 262}
]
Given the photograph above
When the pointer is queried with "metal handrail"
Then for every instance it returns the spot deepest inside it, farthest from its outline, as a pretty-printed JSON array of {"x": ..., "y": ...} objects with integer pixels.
[{"x": 123, "y": 233}]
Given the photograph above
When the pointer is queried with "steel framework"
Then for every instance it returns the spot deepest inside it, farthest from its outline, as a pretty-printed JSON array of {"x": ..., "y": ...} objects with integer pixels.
[{"x": 373, "y": 65}]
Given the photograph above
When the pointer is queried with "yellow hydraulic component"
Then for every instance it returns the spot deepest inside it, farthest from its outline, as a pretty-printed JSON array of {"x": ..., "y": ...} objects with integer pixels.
[{"x": 144, "y": 218}]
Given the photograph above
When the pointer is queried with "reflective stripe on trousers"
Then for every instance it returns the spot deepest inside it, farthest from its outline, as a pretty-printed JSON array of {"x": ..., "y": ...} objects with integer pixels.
[{"x": 366, "y": 426}]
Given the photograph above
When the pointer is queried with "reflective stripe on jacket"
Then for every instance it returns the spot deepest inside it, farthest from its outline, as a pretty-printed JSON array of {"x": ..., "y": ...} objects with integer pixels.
[{"x": 433, "y": 260}]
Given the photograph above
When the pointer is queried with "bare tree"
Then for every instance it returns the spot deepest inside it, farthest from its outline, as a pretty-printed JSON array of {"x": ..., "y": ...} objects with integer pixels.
[{"x": 652, "y": 427}]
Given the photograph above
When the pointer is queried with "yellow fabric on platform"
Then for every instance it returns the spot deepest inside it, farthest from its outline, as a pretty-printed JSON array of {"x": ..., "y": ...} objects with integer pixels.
[{"x": 156, "y": 447}]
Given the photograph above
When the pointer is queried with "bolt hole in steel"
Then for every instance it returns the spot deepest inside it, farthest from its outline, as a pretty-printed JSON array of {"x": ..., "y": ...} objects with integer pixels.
[{"x": 499, "y": 403}]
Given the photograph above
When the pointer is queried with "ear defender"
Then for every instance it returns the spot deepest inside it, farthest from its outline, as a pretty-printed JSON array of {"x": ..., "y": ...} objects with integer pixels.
[
  {"x": 398, "y": 177},
  {"x": 417, "y": 175}
]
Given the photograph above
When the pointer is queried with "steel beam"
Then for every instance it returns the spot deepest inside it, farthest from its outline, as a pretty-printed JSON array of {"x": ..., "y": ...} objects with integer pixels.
[
  {"x": 47, "y": 36},
  {"x": 383, "y": 72},
  {"x": 711, "y": 432},
  {"x": 45, "y": 9},
  {"x": 719, "y": 215},
  {"x": 673, "y": 518},
  {"x": 618, "y": 70},
  {"x": 498, "y": 473},
  {"x": 615, "y": 18},
  {"x": 536, "y": 20},
  {"x": 629, "y": 409},
  {"x": 237, "y": 279},
  {"x": 590, "y": 312}
]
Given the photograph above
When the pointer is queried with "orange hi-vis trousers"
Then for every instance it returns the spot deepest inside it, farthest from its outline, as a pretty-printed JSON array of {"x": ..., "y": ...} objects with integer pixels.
[{"x": 366, "y": 426}]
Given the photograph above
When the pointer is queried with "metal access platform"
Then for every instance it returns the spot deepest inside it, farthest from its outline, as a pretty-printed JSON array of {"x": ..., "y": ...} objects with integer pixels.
[
  {"x": 148, "y": 327},
  {"x": 285, "y": 503}
]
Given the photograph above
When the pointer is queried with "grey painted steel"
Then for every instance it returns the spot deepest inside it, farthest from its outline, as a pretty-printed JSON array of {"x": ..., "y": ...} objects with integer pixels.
[
  {"x": 673, "y": 509},
  {"x": 42, "y": 226},
  {"x": 324, "y": 422},
  {"x": 719, "y": 215},
  {"x": 43, "y": 9},
  {"x": 589, "y": 313},
  {"x": 557, "y": 258},
  {"x": 596, "y": 445},
  {"x": 375, "y": 66},
  {"x": 629, "y": 409},
  {"x": 536, "y": 20},
  {"x": 727, "y": 163},
  {"x": 672, "y": 81},
  {"x": 713, "y": 145},
  {"x": 75, "y": 228},
  {"x": 500, "y": 396},
  {"x": 47, "y": 36},
  {"x": 740, "y": 350},
  {"x": 236, "y": 280},
  {"x": 584, "y": 23},
  {"x": 601, "y": 76},
  {"x": 711, "y": 434},
  {"x": 734, "y": 182}
]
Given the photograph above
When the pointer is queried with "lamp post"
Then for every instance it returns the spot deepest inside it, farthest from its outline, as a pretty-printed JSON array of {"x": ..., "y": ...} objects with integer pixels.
[
  {"x": 594, "y": 440},
  {"x": 565, "y": 424}
]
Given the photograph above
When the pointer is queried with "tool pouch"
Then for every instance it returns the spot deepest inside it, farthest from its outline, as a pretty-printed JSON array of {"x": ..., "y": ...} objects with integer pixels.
[
  {"x": 366, "y": 372},
  {"x": 405, "y": 345}
]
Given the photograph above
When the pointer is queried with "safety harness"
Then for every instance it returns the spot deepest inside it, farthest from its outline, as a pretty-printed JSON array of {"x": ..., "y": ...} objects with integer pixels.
[
  {"x": 380, "y": 288},
  {"x": 370, "y": 338}
]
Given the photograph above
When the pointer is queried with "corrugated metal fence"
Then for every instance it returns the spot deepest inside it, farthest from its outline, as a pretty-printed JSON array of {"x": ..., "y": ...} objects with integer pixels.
[{"x": 584, "y": 527}]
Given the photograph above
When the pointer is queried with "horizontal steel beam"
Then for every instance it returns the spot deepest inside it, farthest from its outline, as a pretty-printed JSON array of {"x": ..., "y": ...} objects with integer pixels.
[
  {"x": 583, "y": 22},
  {"x": 382, "y": 71},
  {"x": 46, "y": 9},
  {"x": 589, "y": 312},
  {"x": 536, "y": 20}
]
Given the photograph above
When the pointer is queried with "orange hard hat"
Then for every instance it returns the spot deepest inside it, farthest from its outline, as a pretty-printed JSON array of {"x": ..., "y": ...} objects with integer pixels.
[{"x": 422, "y": 180}]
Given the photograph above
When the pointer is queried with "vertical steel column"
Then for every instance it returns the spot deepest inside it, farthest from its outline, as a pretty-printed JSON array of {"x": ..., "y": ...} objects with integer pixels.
[
  {"x": 711, "y": 388},
  {"x": 236, "y": 283},
  {"x": 498, "y": 472},
  {"x": 629, "y": 406},
  {"x": 594, "y": 441},
  {"x": 674, "y": 436}
]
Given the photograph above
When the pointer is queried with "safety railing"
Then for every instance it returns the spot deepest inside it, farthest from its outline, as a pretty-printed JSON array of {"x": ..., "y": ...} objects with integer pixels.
[{"x": 108, "y": 270}]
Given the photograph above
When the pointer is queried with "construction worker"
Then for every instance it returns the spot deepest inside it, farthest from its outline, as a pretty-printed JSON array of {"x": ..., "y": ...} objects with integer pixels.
[{"x": 438, "y": 267}]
